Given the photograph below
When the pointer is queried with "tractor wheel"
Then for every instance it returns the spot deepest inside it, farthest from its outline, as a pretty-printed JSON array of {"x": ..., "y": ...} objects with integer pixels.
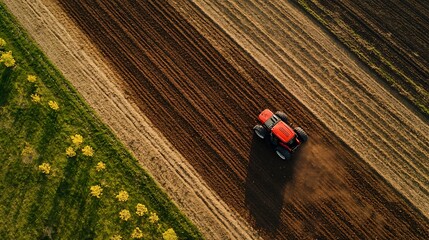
[
  {"x": 283, "y": 153},
  {"x": 260, "y": 131},
  {"x": 302, "y": 135},
  {"x": 282, "y": 116}
]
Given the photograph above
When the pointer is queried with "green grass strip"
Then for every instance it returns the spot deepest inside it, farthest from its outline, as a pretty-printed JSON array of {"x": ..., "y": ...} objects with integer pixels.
[{"x": 59, "y": 205}]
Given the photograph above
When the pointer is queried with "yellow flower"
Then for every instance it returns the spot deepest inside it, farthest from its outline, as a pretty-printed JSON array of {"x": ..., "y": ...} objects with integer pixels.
[
  {"x": 170, "y": 234},
  {"x": 70, "y": 152},
  {"x": 31, "y": 78},
  {"x": 2, "y": 42},
  {"x": 100, "y": 166},
  {"x": 35, "y": 98},
  {"x": 77, "y": 139},
  {"x": 124, "y": 214},
  {"x": 28, "y": 150},
  {"x": 153, "y": 218},
  {"x": 122, "y": 196},
  {"x": 137, "y": 233},
  {"x": 53, "y": 105},
  {"x": 45, "y": 168},
  {"x": 7, "y": 59},
  {"x": 116, "y": 237},
  {"x": 88, "y": 151},
  {"x": 141, "y": 209},
  {"x": 96, "y": 191}
]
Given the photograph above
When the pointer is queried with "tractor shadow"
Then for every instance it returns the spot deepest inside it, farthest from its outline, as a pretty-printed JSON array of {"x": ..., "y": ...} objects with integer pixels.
[{"x": 267, "y": 177}]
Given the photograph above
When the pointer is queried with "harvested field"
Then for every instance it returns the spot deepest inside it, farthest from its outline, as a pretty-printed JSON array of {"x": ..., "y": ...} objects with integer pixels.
[
  {"x": 390, "y": 36},
  {"x": 202, "y": 87}
]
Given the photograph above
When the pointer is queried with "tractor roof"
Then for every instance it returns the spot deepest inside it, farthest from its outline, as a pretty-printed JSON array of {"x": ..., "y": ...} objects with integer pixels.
[{"x": 265, "y": 115}]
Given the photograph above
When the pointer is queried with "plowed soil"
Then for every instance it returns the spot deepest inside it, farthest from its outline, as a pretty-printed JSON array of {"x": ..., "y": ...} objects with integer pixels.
[{"x": 203, "y": 91}]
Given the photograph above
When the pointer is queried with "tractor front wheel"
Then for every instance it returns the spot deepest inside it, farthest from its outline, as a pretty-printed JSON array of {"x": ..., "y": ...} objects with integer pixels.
[{"x": 260, "y": 131}]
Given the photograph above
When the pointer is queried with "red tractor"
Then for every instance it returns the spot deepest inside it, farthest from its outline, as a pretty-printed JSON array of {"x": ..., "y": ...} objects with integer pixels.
[{"x": 276, "y": 126}]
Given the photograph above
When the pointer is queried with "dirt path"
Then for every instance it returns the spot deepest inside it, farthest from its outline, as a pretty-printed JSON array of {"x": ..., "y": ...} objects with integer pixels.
[
  {"x": 80, "y": 62},
  {"x": 337, "y": 88},
  {"x": 203, "y": 91}
]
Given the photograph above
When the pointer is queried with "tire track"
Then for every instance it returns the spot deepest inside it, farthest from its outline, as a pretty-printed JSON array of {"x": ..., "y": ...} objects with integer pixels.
[{"x": 175, "y": 73}]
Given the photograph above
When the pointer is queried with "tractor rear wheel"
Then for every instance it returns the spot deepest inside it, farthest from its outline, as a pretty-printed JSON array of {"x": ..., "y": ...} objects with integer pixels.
[
  {"x": 282, "y": 116},
  {"x": 260, "y": 131},
  {"x": 302, "y": 135},
  {"x": 283, "y": 153}
]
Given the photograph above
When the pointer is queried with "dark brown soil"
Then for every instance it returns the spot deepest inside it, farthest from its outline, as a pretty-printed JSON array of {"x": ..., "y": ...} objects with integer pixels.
[{"x": 207, "y": 108}]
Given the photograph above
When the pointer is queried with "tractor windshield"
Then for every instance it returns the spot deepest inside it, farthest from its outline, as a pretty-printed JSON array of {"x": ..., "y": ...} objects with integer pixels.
[{"x": 272, "y": 121}]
